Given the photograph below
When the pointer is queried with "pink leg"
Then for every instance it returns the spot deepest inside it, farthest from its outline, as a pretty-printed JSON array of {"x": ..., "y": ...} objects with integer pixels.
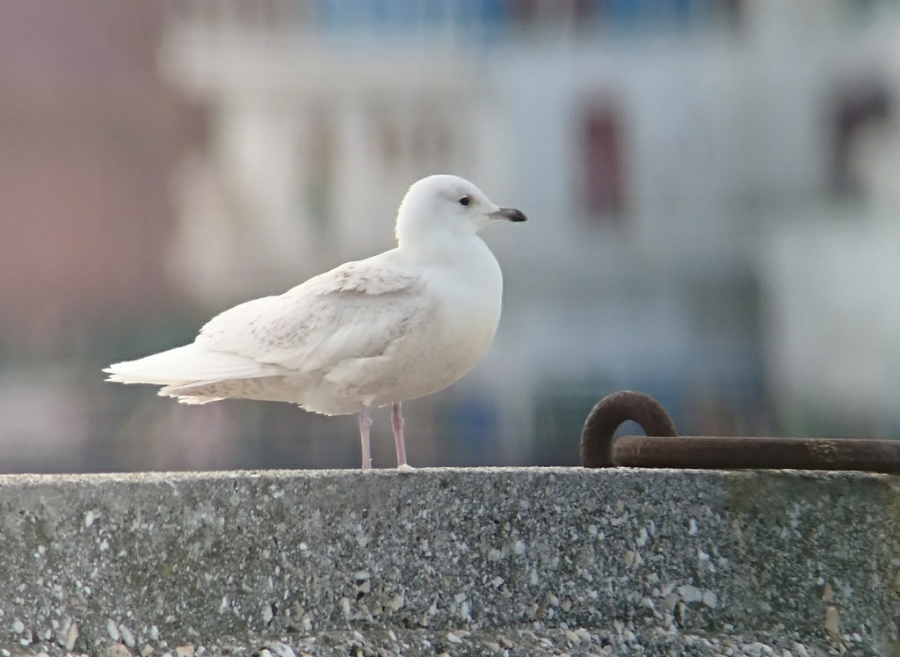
[
  {"x": 397, "y": 426},
  {"x": 365, "y": 423}
]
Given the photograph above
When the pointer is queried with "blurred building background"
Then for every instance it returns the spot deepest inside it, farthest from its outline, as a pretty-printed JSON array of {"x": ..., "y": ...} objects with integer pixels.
[{"x": 713, "y": 187}]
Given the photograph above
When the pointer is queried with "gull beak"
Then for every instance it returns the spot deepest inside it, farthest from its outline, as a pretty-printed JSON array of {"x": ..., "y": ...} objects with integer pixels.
[{"x": 510, "y": 214}]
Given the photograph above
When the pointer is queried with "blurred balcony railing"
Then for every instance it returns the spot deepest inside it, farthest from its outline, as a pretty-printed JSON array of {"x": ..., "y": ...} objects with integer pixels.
[{"x": 473, "y": 20}]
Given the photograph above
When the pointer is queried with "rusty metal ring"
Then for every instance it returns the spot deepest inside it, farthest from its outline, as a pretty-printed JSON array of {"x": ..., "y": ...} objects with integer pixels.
[
  {"x": 609, "y": 413},
  {"x": 663, "y": 448}
]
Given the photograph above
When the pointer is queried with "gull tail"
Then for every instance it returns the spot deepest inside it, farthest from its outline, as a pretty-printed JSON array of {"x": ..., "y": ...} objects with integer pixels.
[{"x": 184, "y": 368}]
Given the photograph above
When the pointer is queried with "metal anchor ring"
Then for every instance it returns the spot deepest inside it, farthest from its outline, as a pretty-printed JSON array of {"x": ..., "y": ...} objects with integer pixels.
[{"x": 662, "y": 447}]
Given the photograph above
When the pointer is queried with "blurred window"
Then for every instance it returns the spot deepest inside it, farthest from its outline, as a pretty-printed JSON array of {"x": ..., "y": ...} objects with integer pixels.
[
  {"x": 604, "y": 182},
  {"x": 856, "y": 107}
]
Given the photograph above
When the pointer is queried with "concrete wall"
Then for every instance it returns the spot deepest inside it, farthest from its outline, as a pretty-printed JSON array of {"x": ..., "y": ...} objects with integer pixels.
[{"x": 455, "y": 562}]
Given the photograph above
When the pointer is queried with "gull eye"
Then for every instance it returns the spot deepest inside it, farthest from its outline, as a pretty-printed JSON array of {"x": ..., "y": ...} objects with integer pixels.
[{"x": 465, "y": 201}]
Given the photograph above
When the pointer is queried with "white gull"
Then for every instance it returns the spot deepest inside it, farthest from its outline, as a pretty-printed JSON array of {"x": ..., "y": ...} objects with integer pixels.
[{"x": 397, "y": 326}]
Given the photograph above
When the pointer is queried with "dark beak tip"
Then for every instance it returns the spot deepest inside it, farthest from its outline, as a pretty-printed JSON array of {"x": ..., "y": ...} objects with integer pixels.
[{"x": 512, "y": 214}]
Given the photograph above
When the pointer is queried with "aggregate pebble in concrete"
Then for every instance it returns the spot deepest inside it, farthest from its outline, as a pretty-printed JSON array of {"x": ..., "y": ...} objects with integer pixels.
[
  {"x": 504, "y": 643},
  {"x": 564, "y": 561}
]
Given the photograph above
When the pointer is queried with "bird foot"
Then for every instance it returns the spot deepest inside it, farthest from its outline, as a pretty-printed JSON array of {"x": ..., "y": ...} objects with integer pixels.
[{"x": 405, "y": 468}]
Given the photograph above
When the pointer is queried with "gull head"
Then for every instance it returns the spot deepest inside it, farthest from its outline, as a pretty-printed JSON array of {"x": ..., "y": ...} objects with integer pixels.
[{"x": 446, "y": 206}]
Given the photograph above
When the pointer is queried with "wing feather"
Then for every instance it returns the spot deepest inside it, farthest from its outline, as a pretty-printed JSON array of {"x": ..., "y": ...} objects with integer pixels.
[{"x": 357, "y": 310}]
